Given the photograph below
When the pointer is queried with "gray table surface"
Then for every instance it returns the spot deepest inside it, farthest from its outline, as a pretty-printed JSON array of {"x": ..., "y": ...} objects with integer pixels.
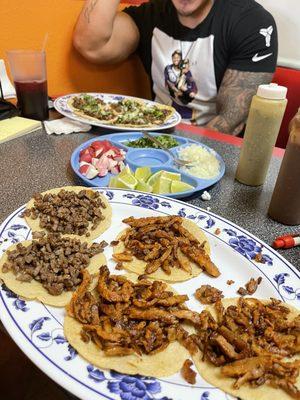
[{"x": 38, "y": 162}]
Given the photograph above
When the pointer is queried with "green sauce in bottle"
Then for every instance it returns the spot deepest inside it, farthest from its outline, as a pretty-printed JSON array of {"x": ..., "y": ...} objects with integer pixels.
[{"x": 264, "y": 120}]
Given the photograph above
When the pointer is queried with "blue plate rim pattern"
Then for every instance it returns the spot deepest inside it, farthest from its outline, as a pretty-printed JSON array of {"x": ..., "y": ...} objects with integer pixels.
[{"x": 14, "y": 310}]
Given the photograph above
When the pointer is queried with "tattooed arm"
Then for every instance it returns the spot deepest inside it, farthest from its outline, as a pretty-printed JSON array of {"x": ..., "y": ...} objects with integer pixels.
[
  {"x": 234, "y": 98},
  {"x": 104, "y": 35}
]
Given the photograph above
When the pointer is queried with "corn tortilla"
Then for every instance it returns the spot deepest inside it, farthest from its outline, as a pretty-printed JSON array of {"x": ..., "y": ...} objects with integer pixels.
[
  {"x": 177, "y": 274},
  {"x": 212, "y": 374},
  {"x": 149, "y": 125},
  {"x": 34, "y": 290},
  {"x": 83, "y": 115},
  {"x": 34, "y": 224},
  {"x": 113, "y": 120},
  {"x": 165, "y": 363}
]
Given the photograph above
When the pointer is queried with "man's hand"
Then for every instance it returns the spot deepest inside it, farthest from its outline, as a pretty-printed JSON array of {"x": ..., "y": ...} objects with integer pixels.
[
  {"x": 234, "y": 99},
  {"x": 104, "y": 35}
]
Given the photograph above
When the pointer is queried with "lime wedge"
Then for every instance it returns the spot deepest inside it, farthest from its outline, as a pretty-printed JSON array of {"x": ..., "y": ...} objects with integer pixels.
[
  {"x": 126, "y": 181},
  {"x": 143, "y": 187},
  {"x": 171, "y": 175},
  {"x": 113, "y": 182},
  {"x": 125, "y": 171},
  {"x": 154, "y": 177},
  {"x": 177, "y": 186},
  {"x": 142, "y": 173},
  {"x": 162, "y": 185}
]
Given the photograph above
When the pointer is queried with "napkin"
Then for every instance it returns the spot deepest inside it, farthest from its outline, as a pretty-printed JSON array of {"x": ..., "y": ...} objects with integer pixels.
[
  {"x": 7, "y": 87},
  {"x": 65, "y": 126}
]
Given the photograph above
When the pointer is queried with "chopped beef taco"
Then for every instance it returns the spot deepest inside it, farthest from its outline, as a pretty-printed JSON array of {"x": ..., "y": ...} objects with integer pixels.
[
  {"x": 127, "y": 112},
  {"x": 49, "y": 268},
  {"x": 93, "y": 108},
  {"x": 70, "y": 210},
  {"x": 139, "y": 114},
  {"x": 168, "y": 248}
]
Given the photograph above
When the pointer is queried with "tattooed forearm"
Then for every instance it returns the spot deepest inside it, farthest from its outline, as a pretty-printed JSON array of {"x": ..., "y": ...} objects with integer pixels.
[
  {"x": 234, "y": 99},
  {"x": 88, "y": 10}
]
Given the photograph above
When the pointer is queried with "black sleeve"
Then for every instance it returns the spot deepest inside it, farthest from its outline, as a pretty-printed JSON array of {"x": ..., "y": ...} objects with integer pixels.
[
  {"x": 254, "y": 42},
  {"x": 139, "y": 14},
  {"x": 143, "y": 16}
]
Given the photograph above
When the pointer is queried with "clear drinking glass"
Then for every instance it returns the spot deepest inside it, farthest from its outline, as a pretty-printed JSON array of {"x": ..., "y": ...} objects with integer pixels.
[{"x": 28, "y": 69}]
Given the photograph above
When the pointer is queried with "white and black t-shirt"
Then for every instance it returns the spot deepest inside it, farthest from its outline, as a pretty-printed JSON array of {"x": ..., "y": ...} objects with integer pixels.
[{"x": 187, "y": 66}]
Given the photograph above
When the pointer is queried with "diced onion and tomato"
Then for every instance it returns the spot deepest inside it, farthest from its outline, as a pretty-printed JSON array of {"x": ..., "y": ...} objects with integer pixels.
[{"x": 100, "y": 158}]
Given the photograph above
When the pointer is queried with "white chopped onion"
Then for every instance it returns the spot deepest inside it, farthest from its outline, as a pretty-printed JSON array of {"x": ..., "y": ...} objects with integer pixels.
[
  {"x": 205, "y": 164},
  {"x": 206, "y": 196}
]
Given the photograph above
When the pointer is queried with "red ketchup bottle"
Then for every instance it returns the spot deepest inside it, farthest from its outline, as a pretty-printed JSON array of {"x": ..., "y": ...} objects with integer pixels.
[{"x": 285, "y": 202}]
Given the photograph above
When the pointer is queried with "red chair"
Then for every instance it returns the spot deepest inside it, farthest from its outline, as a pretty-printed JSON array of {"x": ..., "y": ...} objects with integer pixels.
[{"x": 291, "y": 79}]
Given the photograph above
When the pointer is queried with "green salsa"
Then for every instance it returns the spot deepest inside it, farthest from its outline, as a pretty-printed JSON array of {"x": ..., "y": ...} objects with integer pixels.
[{"x": 166, "y": 141}]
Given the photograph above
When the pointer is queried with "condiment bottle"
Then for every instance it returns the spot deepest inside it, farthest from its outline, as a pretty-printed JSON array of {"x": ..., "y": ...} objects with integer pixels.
[
  {"x": 285, "y": 202},
  {"x": 264, "y": 120}
]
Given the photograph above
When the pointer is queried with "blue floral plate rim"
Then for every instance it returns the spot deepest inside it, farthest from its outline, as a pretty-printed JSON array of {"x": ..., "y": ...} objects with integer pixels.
[{"x": 37, "y": 328}]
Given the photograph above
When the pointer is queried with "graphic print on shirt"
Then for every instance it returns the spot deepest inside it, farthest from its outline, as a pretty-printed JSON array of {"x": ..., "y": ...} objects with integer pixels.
[
  {"x": 267, "y": 33},
  {"x": 179, "y": 79},
  {"x": 183, "y": 75}
]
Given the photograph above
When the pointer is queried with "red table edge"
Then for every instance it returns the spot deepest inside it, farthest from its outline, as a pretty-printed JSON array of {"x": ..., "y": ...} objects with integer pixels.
[{"x": 222, "y": 137}]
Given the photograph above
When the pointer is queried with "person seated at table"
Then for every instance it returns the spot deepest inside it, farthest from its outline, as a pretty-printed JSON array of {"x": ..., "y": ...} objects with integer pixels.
[{"x": 231, "y": 46}]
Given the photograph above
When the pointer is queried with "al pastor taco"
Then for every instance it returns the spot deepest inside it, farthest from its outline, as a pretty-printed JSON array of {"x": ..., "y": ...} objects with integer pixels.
[{"x": 168, "y": 248}]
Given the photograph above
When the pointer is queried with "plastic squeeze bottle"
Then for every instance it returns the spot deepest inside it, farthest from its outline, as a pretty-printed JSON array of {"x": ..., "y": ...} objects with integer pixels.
[
  {"x": 285, "y": 202},
  {"x": 263, "y": 124}
]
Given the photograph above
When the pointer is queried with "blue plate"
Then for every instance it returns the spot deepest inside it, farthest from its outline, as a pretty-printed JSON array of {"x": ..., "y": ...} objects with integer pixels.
[{"x": 156, "y": 159}]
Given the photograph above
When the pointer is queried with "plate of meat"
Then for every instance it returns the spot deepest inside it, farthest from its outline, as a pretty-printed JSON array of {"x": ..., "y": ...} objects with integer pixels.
[
  {"x": 119, "y": 112},
  {"x": 120, "y": 294}
]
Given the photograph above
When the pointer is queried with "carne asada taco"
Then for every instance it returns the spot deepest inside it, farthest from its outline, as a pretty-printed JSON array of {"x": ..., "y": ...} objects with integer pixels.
[
  {"x": 49, "y": 268},
  {"x": 127, "y": 112},
  {"x": 70, "y": 210},
  {"x": 92, "y": 108}
]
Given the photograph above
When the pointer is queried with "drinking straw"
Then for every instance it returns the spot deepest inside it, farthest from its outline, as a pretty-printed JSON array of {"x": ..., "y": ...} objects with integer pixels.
[
  {"x": 45, "y": 41},
  {"x": 1, "y": 91}
]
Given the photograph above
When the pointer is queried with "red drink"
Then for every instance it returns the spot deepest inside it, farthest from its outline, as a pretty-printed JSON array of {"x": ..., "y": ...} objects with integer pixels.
[{"x": 33, "y": 99}]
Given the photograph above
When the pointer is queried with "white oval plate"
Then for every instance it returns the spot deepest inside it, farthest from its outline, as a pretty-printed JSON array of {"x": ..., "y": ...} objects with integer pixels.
[
  {"x": 61, "y": 105},
  {"x": 37, "y": 328}
]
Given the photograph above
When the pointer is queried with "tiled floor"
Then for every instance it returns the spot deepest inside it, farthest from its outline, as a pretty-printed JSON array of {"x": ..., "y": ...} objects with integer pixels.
[{"x": 20, "y": 379}]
